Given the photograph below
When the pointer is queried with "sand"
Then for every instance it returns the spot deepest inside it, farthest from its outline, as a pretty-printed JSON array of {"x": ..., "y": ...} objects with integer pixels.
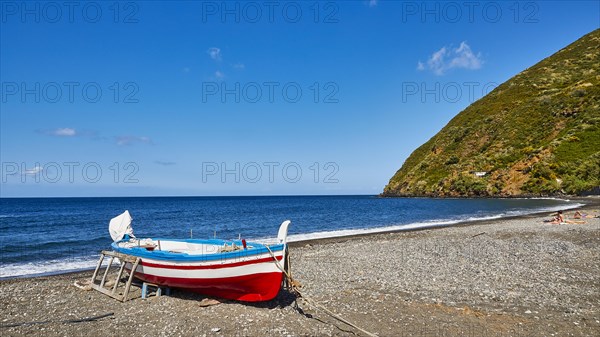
[{"x": 509, "y": 277}]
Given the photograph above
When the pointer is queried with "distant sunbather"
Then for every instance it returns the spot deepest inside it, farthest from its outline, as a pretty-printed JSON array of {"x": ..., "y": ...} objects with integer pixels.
[
  {"x": 579, "y": 215},
  {"x": 558, "y": 218}
]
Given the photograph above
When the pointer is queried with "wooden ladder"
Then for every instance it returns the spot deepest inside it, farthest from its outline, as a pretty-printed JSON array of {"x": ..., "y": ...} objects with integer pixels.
[{"x": 113, "y": 292}]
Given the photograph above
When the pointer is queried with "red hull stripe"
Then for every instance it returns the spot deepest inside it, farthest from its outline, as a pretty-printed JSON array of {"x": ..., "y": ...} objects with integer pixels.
[
  {"x": 249, "y": 288},
  {"x": 212, "y": 266}
]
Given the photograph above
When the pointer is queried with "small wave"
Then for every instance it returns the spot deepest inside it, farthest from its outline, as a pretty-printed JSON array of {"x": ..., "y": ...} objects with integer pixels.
[
  {"x": 416, "y": 225},
  {"x": 51, "y": 267},
  {"x": 525, "y": 212},
  {"x": 554, "y": 208},
  {"x": 12, "y": 216},
  {"x": 361, "y": 231}
]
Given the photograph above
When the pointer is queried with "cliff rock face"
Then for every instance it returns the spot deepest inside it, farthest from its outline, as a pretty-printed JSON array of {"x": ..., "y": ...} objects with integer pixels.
[{"x": 536, "y": 134}]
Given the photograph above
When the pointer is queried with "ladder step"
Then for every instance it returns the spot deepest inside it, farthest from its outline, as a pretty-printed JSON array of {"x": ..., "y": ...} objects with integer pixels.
[{"x": 113, "y": 292}]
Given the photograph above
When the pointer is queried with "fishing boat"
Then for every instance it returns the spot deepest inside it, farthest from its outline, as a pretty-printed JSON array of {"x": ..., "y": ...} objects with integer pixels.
[{"x": 230, "y": 269}]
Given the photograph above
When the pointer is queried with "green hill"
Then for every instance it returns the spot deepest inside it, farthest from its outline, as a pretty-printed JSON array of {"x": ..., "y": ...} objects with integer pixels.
[{"x": 536, "y": 134}]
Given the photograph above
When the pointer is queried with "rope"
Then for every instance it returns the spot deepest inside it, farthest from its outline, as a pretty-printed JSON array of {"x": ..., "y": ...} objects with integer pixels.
[
  {"x": 81, "y": 320},
  {"x": 339, "y": 318},
  {"x": 292, "y": 284}
]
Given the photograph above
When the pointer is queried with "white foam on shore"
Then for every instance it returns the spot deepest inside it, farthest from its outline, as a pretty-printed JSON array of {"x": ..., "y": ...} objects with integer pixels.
[
  {"x": 361, "y": 231},
  {"x": 413, "y": 226},
  {"x": 61, "y": 266},
  {"x": 52, "y": 267}
]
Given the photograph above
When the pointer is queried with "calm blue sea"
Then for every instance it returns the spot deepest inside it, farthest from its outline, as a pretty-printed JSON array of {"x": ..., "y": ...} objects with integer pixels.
[{"x": 53, "y": 235}]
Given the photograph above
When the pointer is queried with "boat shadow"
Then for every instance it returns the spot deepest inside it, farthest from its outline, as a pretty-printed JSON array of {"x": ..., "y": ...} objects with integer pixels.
[{"x": 283, "y": 299}]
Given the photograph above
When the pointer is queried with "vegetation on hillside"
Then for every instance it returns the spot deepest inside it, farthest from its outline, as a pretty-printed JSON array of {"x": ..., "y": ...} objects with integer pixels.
[{"x": 536, "y": 134}]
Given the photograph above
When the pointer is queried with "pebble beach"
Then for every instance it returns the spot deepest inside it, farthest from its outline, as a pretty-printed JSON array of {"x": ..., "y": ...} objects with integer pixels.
[{"x": 507, "y": 277}]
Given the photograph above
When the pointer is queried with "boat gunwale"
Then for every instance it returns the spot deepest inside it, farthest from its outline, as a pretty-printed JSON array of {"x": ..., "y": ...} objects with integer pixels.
[{"x": 160, "y": 255}]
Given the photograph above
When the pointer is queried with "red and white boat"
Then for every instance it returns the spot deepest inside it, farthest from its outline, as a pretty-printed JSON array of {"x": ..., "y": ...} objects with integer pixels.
[{"x": 237, "y": 270}]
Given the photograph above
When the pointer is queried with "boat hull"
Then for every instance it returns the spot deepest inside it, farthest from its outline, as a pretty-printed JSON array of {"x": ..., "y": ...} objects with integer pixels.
[
  {"x": 242, "y": 276},
  {"x": 247, "y": 288}
]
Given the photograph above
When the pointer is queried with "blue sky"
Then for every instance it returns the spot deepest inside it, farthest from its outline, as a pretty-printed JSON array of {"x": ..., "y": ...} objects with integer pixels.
[{"x": 249, "y": 98}]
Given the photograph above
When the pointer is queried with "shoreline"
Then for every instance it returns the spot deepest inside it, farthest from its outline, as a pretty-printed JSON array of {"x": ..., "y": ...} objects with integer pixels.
[
  {"x": 589, "y": 203},
  {"x": 517, "y": 277},
  {"x": 521, "y": 196},
  {"x": 589, "y": 206}
]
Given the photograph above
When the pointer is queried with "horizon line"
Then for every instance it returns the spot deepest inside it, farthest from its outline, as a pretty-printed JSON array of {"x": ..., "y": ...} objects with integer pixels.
[{"x": 188, "y": 196}]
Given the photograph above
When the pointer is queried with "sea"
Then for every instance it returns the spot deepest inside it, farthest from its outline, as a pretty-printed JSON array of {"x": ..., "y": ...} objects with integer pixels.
[{"x": 44, "y": 236}]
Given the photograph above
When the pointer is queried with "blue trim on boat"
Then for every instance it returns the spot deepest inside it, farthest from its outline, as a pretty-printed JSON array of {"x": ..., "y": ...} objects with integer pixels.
[{"x": 258, "y": 248}]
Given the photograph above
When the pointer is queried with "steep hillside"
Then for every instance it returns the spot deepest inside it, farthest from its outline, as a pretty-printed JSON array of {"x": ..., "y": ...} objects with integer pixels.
[{"x": 536, "y": 134}]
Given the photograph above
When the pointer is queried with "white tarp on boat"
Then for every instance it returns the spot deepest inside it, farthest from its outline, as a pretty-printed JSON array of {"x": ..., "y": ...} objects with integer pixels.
[{"x": 120, "y": 225}]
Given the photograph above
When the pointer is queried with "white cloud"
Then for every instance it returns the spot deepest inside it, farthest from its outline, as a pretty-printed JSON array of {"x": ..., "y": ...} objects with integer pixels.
[
  {"x": 129, "y": 140},
  {"x": 215, "y": 53},
  {"x": 219, "y": 75},
  {"x": 449, "y": 58},
  {"x": 33, "y": 171},
  {"x": 68, "y": 132},
  {"x": 60, "y": 132},
  {"x": 239, "y": 66},
  {"x": 465, "y": 58},
  {"x": 373, "y": 3},
  {"x": 186, "y": 70}
]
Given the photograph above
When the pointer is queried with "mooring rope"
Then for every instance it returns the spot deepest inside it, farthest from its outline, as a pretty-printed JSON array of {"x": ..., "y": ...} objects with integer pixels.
[
  {"x": 66, "y": 321},
  {"x": 292, "y": 284}
]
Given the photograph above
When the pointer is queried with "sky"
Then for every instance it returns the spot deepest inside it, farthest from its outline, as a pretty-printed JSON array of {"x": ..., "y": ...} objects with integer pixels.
[{"x": 249, "y": 98}]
